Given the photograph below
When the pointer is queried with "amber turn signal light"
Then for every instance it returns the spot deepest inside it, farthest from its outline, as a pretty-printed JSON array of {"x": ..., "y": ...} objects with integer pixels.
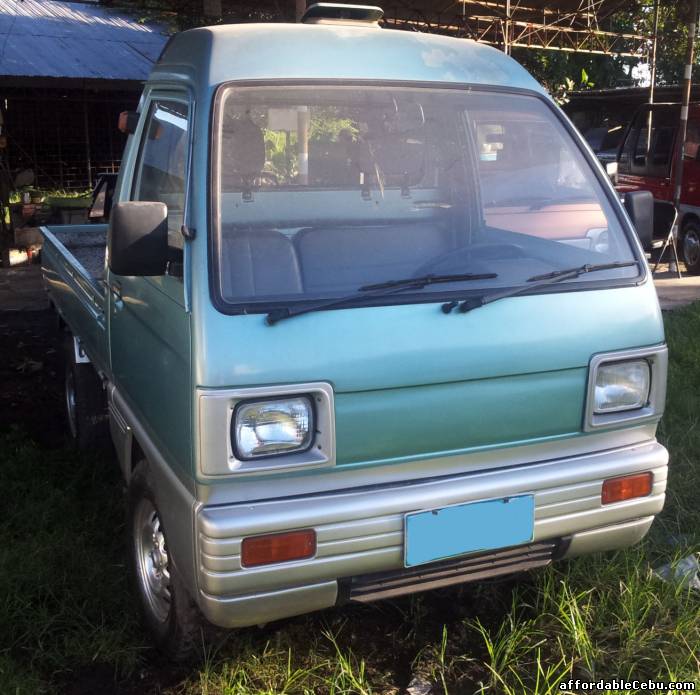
[
  {"x": 626, "y": 488},
  {"x": 278, "y": 547}
]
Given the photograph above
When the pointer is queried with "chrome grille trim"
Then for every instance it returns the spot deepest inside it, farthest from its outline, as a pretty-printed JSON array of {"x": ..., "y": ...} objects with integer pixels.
[{"x": 383, "y": 585}]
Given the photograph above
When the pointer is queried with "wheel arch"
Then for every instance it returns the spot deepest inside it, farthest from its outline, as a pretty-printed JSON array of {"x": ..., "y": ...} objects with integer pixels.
[
  {"x": 60, "y": 323},
  {"x": 136, "y": 454},
  {"x": 688, "y": 218}
]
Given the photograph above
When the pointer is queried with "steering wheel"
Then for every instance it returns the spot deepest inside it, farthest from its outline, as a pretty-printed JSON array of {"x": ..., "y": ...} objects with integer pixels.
[{"x": 454, "y": 261}]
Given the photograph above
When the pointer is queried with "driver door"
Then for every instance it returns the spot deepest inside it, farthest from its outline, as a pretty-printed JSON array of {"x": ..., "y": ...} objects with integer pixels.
[{"x": 149, "y": 326}]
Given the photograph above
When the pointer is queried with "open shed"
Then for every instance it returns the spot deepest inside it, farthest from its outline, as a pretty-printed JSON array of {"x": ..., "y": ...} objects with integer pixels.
[{"x": 67, "y": 69}]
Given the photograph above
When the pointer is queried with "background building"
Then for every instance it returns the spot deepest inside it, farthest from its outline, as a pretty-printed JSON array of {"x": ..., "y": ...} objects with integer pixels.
[{"x": 67, "y": 69}]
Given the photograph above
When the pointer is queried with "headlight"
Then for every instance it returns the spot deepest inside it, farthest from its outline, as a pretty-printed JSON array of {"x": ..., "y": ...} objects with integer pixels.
[
  {"x": 625, "y": 387},
  {"x": 622, "y": 386},
  {"x": 266, "y": 428}
]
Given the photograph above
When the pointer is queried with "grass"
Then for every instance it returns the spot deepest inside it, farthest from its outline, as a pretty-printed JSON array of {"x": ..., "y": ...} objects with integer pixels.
[{"x": 67, "y": 621}]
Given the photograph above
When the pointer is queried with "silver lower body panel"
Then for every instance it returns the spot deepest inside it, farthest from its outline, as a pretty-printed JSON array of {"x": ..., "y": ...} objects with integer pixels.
[{"x": 360, "y": 532}]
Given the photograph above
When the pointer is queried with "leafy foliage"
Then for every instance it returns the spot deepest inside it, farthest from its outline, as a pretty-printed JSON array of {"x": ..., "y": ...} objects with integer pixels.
[{"x": 558, "y": 70}]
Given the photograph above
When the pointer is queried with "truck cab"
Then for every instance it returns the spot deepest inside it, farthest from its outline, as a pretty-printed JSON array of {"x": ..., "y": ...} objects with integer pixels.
[
  {"x": 368, "y": 319},
  {"x": 646, "y": 161}
]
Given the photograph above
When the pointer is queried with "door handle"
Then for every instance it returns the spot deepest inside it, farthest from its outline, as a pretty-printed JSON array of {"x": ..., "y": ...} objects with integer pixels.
[
  {"x": 117, "y": 302},
  {"x": 116, "y": 289}
]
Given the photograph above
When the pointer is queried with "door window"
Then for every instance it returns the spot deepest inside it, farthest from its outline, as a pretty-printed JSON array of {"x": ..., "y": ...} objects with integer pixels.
[
  {"x": 648, "y": 149},
  {"x": 98, "y": 209},
  {"x": 692, "y": 141},
  {"x": 161, "y": 169}
]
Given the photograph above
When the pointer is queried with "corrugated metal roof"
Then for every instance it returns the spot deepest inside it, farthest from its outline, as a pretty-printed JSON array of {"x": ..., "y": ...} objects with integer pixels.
[{"x": 47, "y": 38}]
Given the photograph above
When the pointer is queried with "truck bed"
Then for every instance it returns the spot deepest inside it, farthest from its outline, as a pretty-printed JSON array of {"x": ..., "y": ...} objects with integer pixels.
[
  {"x": 73, "y": 261},
  {"x": 86, "y": 243}
]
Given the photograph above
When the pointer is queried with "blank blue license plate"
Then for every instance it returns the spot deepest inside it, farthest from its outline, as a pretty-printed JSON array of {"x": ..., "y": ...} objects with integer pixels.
[{"x": 467, "y": 528}]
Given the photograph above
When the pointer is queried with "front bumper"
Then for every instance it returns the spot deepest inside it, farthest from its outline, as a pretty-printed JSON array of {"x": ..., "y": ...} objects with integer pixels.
[{"x": 360, "y": 531}]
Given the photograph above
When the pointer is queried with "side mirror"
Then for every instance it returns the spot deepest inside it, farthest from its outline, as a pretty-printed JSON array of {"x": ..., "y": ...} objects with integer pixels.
[
  {"x": 137, "y": 243},
  {"x": 611, "y": 169},
  {"x": 640, "y": 208}
]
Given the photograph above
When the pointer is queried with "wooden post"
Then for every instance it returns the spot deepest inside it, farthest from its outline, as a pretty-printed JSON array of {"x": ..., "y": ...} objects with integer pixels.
[
  {"x": 687, "y": 83},
  {"x": 60, "y": 152},
  {"x": 683, "y": 125},
  {"x": 506, "y": 33},
  {"x": 303, "y": 144},
  {"x": 87, "y": 141},
  {"x": 652, "y": 84},
  {"x": 303, "y": 122}
]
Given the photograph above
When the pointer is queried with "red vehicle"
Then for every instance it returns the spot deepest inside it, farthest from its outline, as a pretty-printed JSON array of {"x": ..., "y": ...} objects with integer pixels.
[{"x": 646, "y": 162}]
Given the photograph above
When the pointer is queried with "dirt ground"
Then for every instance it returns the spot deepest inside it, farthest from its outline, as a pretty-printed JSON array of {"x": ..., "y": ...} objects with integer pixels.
[{"x": 31, "y": 374}]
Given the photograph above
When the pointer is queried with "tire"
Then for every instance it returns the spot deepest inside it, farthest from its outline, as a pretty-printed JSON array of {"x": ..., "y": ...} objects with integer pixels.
[
  {"x": 690, "y": 246},
  {"x": 85, "y": 402},
  {"x": 168, "y": 611}
]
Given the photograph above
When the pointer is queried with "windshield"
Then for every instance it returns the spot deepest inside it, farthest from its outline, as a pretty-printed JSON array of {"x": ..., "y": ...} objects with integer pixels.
[{"x": 322, "y": 190}]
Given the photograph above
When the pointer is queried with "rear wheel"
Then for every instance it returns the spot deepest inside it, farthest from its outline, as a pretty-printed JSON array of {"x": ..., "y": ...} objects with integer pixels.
[
  {"x": 85, "y": 402},
  {"x": 690, "y": 246},
  {"x": 168, "y": 611}
]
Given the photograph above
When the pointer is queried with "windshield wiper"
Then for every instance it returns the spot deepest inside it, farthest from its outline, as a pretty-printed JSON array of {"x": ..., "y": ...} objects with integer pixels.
[
  {"x": 581, "y": 270},
  {"x": 536, "y": 281},
  {"x": 376, "y": 290},
  {"x": 425, "y": 280}
]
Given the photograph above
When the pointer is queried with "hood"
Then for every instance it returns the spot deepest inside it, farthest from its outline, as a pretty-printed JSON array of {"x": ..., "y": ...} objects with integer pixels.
[{"x": 412, "y": 381}]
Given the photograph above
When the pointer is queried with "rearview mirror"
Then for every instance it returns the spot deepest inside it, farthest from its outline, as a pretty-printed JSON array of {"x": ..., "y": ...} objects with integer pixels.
[
  {"x": 640, "y": 208},
  {"x": 137, "y": 243}
]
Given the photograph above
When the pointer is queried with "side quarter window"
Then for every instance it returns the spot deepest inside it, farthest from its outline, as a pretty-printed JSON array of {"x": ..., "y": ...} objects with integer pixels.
[{"x": 162, "y": 163}]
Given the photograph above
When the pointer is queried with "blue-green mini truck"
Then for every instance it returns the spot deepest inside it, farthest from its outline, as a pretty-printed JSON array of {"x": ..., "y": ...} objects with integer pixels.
[{"x": 368, "y": 319}]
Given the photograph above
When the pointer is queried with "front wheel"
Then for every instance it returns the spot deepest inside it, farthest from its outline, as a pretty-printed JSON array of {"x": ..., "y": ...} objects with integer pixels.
[
  {"x": 690, "y": 247},
  {"x": 168, "y": 611}
]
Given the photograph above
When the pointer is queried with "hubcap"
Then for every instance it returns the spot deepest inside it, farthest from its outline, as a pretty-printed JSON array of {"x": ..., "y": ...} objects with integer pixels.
[
  {"x": 691, "y": 246},
  {"x": 70, "y": 403},
  {"x": 152, "y": 561}
]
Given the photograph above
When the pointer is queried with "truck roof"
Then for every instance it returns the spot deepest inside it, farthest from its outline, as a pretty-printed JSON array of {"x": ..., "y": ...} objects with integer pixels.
[{"x": 213, "y": 55}]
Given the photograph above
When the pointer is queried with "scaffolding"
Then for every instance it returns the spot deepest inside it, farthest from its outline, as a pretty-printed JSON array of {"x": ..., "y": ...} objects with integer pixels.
[{"x": 582, "y": 26}]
